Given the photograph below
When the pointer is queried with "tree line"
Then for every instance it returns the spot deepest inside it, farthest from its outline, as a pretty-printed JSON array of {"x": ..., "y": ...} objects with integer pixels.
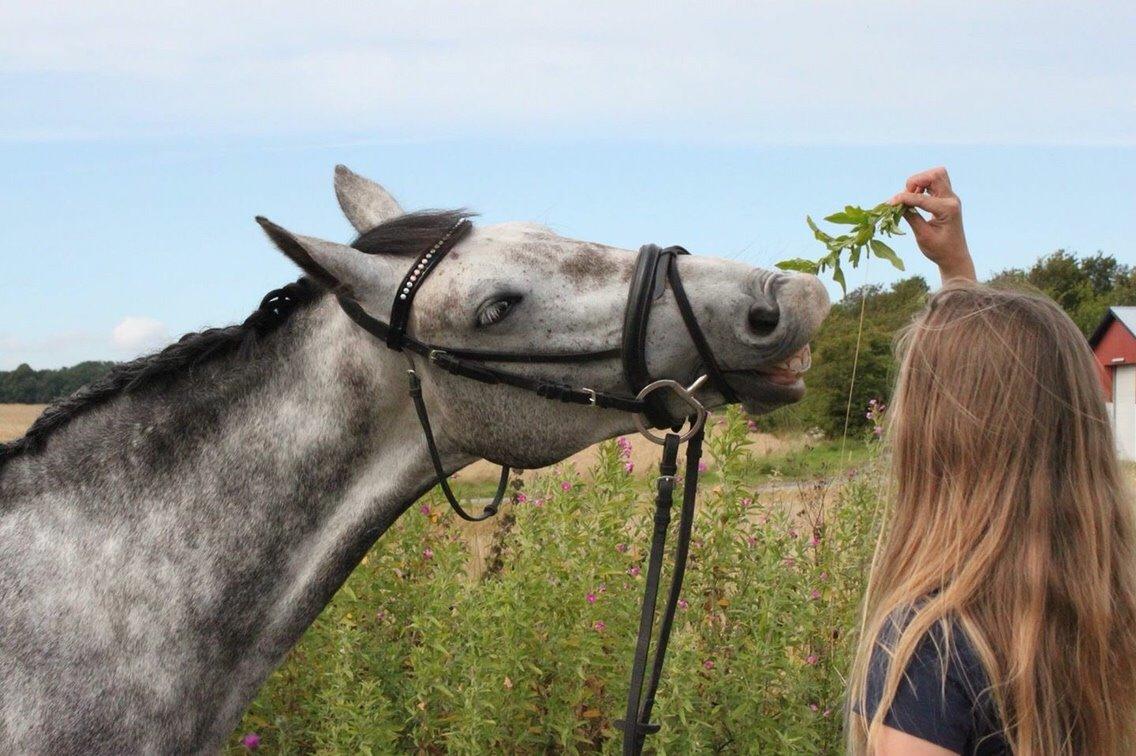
[{"x": 1085, "y": 287}]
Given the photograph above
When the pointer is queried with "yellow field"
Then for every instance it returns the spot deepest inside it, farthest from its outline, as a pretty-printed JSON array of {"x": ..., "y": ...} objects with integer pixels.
[{"x": 15, "y": 419}]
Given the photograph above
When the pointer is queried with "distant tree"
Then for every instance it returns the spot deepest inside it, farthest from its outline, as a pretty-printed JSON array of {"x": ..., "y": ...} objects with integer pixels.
[
  {"x": 27, "y": 386},
  {"x": 1085, "y": 287}
]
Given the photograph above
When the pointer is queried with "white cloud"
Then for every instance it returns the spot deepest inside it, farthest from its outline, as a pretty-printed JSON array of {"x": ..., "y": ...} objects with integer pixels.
[
  {"x": 139, "y": 334},
  {"x": 879, "y": 71}
]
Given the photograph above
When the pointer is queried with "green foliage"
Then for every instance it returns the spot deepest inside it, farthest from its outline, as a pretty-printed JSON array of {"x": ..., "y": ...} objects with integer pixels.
[
  {"x": 886, "y": 311},
  {"x": 26, "y": 386},
  {"x": 415, "y": 655},
  {"x": 866, "y": 224},
  {"x": 1085, "y": 287}
]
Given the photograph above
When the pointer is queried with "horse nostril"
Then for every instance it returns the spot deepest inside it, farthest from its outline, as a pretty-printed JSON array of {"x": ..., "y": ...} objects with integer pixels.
[{"x": 763, "y": 317}]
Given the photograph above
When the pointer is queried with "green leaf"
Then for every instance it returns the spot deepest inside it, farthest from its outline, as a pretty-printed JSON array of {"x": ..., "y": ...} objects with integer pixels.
[
  {"x": 799, "y": 264},
  {"x": 842, "y": 218},
  {"x": 887, "y": 253},
  {"x": 838, "y": 276}
]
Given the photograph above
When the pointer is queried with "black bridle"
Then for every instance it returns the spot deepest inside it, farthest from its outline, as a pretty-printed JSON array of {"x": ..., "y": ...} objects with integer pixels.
[{"x": 654, "y": 269}]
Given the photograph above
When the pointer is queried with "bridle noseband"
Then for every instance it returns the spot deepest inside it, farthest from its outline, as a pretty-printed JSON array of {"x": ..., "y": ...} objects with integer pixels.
[{"x": 654, "y": 269}]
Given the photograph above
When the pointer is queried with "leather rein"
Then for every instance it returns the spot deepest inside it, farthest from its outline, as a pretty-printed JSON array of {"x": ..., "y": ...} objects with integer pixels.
[{"x": 655, "y": 268}]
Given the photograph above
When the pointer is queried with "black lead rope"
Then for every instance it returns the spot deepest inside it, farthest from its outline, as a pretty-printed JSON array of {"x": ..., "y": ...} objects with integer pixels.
[
  {"x": 636, "y": 724},
  {"x": 443, "y": 479}
]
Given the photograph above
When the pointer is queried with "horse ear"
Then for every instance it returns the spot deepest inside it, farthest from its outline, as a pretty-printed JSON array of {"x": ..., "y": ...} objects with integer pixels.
[
  {"x": 340, "y": 268},
  {"x": 365, "y": 203}
]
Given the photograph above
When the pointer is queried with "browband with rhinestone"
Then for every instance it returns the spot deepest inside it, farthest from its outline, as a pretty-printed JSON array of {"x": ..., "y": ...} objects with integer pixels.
[{"x": 400, "y": 310}]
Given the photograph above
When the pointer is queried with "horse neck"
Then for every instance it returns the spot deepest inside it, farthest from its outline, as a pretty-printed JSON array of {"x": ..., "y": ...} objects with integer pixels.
[{"x": 237, "y": 499}]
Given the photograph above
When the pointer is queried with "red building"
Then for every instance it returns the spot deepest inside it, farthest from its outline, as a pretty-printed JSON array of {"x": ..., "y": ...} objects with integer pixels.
[{"x": 1114, "y": 344}]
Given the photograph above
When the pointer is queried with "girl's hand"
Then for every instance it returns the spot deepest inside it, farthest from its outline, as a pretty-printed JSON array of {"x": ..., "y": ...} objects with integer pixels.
[{"x": 941, "y": 236}]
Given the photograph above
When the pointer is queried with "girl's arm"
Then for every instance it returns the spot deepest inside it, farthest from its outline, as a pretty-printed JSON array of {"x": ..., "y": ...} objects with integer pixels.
[
  {"x": 894, "y": 742},
  {"x": 939, "y": 237}
]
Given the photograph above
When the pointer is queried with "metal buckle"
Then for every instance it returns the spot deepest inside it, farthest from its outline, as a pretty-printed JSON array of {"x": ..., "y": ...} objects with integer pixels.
[
  {"x": 591, "y": 396},
  {"x": 685, "y": 393}
]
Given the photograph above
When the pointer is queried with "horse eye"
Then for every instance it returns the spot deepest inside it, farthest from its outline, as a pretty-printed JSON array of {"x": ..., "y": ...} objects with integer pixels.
[{"x": 495, "y": 310}]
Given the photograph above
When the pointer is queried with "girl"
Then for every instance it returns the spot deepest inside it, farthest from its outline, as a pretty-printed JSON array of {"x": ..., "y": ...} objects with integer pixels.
[{"x": 1000, "y": 614}]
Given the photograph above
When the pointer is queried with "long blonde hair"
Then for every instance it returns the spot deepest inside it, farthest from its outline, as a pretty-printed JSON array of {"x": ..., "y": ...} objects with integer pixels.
[{"x": 1009, "y": 519}]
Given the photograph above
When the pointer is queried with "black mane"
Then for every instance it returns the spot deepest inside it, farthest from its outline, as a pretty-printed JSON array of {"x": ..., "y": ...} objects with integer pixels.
[{"x": 408, "y": 234}]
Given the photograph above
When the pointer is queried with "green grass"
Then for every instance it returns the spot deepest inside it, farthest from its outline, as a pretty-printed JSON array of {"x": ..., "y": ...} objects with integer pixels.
[{"x": 820, "y": 459}]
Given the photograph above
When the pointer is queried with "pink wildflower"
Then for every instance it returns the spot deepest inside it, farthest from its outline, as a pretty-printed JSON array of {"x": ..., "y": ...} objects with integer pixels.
[
  {"x": 752, "y": 541},
  {"x": 621, "y": 548},
  {"x": 599, "y": 626},
  {"x": 538, "y": 503},
  {"x": 425, "y": 509},
  {"x": 708, "y": 664},
  {"x": 633, "y": 571},
  {"x": 521, "y": 498},
  {"x": 427, "y": 553},
  {"x": 815, "y": 594},
  {"x": 814, "y": 707},
  {"x": 629, "y": 468},
  {"x": 591, "y": 598},
  {"x": 565, "y": 485},
  {"x": 702, "y": 466},
  {"x": 682, "y": 603},
  {"x": 251, "y": 741},
  {"x": 746, "y": 502},
  {"x": 814, "y": 541},
  {"x": 824, "y": 576},
  {"x": 811, "y": 659}
]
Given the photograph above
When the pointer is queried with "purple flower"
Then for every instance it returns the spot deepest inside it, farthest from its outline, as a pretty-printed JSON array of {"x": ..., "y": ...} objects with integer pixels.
[
  {"x": 629, "y": 468},
  {"x": 599, "y": 626},
  {"x": 251, "y": 741},
  {"x": 682, "y": 603},
  {"x": 591, "y": 598},
  {"x": 633, "y": 571},
  {"x": 708, "y": 664},
  {"x": 521, "y": 498},
  {"x": 702, "y": 466},
  {"x": 811, "y": 659},
  {"x": 427, "y": 553},
  {"x": 565, "y": 485},
  {"x": 425, "y": 509},
  {"x": 815, "y": 594}
]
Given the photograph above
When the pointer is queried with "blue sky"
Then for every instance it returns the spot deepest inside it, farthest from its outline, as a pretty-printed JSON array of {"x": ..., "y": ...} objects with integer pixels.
[{"x": 138, "y": 142}]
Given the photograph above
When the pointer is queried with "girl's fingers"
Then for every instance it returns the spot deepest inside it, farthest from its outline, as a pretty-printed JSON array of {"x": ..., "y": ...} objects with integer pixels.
[
  {"x": 940, "y": 207},
  {"x": 916, "y": 221},
  {"x": 935, "y": 180}
]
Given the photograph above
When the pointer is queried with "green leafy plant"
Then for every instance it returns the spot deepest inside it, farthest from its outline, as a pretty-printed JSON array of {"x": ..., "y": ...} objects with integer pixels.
[
  {"x": 515, "y": 636},
  {"x": 883, "y": 219}
]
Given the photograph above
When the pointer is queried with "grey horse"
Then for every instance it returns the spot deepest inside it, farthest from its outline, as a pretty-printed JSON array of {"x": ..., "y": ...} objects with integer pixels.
[{"x": 169, "y": 532}]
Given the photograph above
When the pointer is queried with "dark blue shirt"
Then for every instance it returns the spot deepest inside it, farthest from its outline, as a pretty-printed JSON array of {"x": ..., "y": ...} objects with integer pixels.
[{"x": 948, "y": 705}]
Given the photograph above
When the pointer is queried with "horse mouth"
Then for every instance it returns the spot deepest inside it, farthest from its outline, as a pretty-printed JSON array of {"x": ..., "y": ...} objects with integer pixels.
[{"x": 769, "y": 386}]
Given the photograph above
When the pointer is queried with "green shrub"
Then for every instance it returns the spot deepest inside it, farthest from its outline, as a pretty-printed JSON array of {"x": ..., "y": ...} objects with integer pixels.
[{"x": 534, "y": 655}]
